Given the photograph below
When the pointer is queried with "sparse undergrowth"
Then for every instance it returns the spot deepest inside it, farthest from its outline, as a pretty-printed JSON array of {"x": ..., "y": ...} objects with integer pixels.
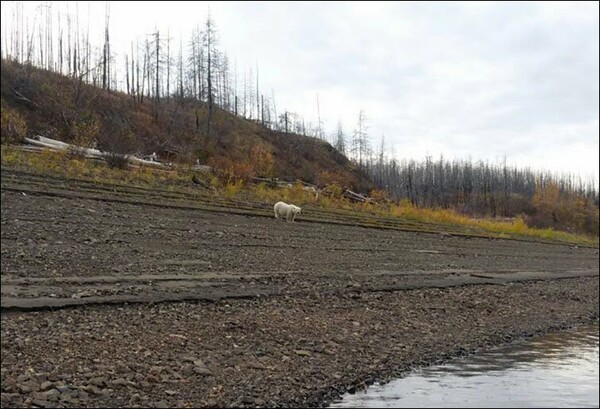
[{"x": 180, "y": 178}]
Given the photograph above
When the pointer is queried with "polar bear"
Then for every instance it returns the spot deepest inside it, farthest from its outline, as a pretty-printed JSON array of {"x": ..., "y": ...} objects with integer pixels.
[{"x": 290, "y": 211}]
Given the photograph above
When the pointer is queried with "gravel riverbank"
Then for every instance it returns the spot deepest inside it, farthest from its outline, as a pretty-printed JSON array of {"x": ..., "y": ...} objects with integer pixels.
[{"x": 272, "y": 352}]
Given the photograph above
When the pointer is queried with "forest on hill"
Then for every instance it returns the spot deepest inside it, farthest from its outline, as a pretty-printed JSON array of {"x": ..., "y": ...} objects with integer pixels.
[
  {"x": 189, "y": 105},
  {"x": 67, "y": 109}
]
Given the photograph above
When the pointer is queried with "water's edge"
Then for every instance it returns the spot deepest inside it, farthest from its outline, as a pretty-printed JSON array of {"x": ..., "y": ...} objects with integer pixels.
[{"x": 421, "y": 372}]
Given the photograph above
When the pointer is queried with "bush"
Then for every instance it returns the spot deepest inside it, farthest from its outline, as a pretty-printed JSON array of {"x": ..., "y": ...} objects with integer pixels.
[
  {"x": 117, "y": 161},
  {"x": 84, "y": 131},
  {"x": 233, "y": 187},
  {"x": 13, "y": 127},
  {"x": 262, "y": 161}
]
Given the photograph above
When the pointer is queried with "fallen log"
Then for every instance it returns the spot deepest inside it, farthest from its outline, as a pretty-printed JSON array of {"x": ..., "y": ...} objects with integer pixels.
[
  {"x": 49, "y": 143},
  {"x": 357, "y": 197}
]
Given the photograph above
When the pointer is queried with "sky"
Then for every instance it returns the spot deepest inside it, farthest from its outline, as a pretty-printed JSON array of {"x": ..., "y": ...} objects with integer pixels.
[{"x": 466, "y": 80}]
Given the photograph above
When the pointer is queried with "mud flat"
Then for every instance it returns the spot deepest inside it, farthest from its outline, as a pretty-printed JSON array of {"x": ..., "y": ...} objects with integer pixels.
[{"x": 110, "y": 302}]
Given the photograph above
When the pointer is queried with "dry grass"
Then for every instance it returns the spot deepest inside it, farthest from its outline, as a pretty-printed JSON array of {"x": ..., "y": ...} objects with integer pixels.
[
  {"x": 66, "y": 165},
  {"x": 504, "y": 228}
]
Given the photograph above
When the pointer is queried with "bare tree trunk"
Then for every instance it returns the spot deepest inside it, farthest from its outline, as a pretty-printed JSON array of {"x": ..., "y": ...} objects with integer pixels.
[
  {"x": 127, "y": 74},
  {"x": 144, "y": 74},
  {"x": 60, "y": 46},
  {"x": 133, "y": 94},
  {"x": 250, "y": 94},
  {"x": 235, "y": 84},
  {"x": 201, "y": 87},
  {"x": 209, "y": 35},
  {"x": 69, "y": 51},
  {"x": 157, "y": 92},
  {"x": 194, "y": 69},
  {"x": 168, "y": 64},
  {"x": 137, "y": 75},
  {"x": 41, "y": 48},
  {"x": 77, "y": 53},
  {"x": 257, "y": 96},
  {"x": 274, "y": 107},
  {"x": 88, "y": 55},
  {"x": 106, "y": 54},
  {"x": 319, "y": 130},
  {"x": 226, "y": 83},
  {"x": 245, "y": 93},
  {"x": 181, "y": 70}
]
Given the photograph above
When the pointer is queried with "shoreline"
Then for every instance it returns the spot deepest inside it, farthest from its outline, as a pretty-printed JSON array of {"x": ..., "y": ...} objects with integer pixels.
[
  {"x": 384, "y": 378},
  {"x": 512, "y": 374},
  {"x": 269, "y": 352}
]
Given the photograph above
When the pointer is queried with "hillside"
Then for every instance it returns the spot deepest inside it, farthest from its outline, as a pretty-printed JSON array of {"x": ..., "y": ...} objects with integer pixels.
[{"x": 67, "y": 109}]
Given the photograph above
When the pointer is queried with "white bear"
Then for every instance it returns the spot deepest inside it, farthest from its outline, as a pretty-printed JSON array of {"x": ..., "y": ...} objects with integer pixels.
[{"x": 288, "y": 210}]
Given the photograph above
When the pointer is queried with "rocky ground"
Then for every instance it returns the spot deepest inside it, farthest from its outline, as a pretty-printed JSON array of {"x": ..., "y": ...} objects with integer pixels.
[{"x": 114, "y": 300}]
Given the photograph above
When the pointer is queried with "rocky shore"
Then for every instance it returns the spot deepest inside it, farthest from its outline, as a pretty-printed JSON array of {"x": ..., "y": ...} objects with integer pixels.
[{"x": 270, "y": 352}]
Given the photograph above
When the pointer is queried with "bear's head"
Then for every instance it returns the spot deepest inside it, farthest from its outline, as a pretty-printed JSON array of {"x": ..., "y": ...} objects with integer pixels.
[{"x": 297, "y": 210}]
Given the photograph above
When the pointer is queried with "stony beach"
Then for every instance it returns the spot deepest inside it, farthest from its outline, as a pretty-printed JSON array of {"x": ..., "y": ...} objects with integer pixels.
[{"x": 273, "y": 352}]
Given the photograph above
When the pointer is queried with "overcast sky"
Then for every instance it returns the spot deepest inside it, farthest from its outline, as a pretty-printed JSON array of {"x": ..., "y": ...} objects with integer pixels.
[{"x": 466, "y": 80}]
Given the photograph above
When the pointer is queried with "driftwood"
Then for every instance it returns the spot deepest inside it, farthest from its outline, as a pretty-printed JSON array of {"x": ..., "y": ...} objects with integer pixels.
[
  {"x": 328, "y": 191},
  {"x": 202, "y": 168},
  {"x": 276, "y": 182},
  {"x": 87, "y": 152},
  {"x": 349, "y": 194},
  {"x": 271, "y": 182},
  {"x": 357, "y": 197}
]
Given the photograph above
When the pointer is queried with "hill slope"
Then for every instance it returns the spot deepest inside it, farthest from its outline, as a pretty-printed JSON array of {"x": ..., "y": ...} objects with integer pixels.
[{"x": 72, "y": 111}]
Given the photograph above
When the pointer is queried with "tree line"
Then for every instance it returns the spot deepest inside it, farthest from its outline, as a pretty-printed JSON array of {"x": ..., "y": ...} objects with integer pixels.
[{"x": 546, "y": 199}]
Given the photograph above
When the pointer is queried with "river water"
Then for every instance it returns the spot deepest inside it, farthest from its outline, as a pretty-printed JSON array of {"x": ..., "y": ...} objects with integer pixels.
[{"x": 555, "y": 370}]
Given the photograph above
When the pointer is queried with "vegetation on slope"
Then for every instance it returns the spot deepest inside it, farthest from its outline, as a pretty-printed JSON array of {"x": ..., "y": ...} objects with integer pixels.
[{"x": 64, "y": 108}]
